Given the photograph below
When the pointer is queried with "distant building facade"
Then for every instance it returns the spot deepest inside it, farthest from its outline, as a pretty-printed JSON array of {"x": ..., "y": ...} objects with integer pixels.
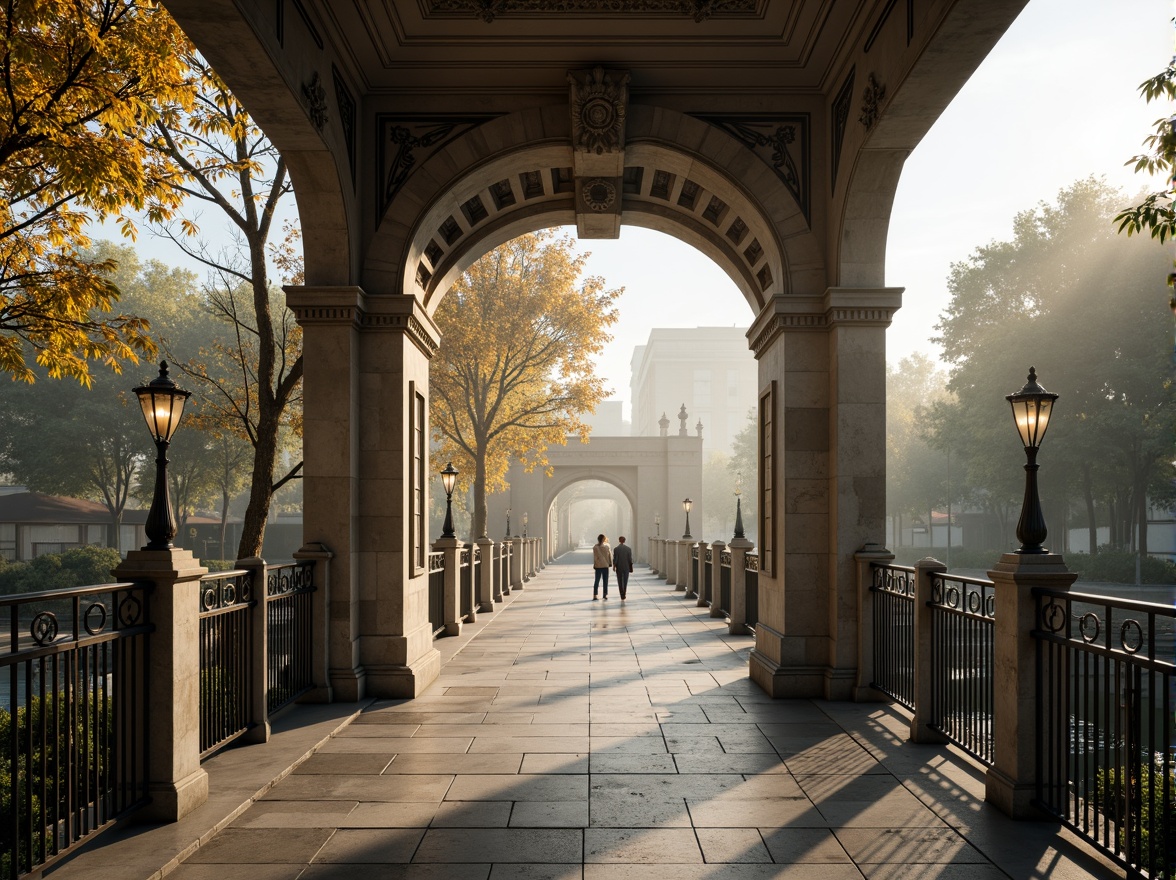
[
  {"x": 709, "y": 369},
  {"x": 608, "y": 420}
]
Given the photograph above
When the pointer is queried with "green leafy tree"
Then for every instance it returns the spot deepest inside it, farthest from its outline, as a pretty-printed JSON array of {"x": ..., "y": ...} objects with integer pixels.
[
  {"x": 1042, "y": 299},
  {"x": 79, "y": 83},
  {"x": 515, "y": 370}
]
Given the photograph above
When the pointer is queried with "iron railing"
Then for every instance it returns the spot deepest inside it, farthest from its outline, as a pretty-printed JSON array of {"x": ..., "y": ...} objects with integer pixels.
[
  {"x": 751, "y": 588},
  {"x": 893, "y": 588},
  {"x": 705, "y": 588},
  {"x": 437, "y": 592},
  {"x": 1104, "y": 716},
  {"x": 289, "y": 632},
  {"x": 467, "y": 574},
  {"x": 226, "y": 650},
  {"x": 502, "y": 571},
  {"x": 696, "y": 566},
  {"x": 73, "y": 708},
  {"x": 962, "y": 628},
  {"x": 724, "y": 599}
]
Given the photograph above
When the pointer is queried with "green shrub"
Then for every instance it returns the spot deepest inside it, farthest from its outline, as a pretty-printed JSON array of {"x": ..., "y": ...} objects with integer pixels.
[
  {"x": 1155, "y": 829},
  {"x": 79, "y": 567},
  {"x": 961, "y": 557},
  {"x": 214, "y": 565},
  {"x": 1118, "y": 567}
]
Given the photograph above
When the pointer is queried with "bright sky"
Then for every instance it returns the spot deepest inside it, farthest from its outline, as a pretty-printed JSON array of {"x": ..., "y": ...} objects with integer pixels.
[{"x": 1054, "y": 102}]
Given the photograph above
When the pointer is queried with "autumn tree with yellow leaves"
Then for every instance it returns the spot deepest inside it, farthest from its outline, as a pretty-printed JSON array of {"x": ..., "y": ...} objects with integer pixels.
[
  {"x": 80, "y": 80},
  {"x": 515, "y": 371}
]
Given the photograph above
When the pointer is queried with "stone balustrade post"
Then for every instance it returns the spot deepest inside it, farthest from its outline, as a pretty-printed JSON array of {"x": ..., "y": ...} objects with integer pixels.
[
  {"x": 716, "y": 589},
  {"x": 739, "y": 547},
  {"x": 516, "y": 563},
  {"x": 506, "y": 551},
  {"x": 320, "y": 603},
  {"x": 866, "y": 558},
  {"x": 698, "y": 572},
  {"x": 452, "y": 548},
  {"x": 652, "y": 557},
  {"x": 259, "y": 730},
  {"x": 671, "y": 568},
  {"x": 921, "y": 731},
  {"x": 1011, "y": 781},
  {"x": 176, "y": 783},
  {"x": 484, "y": 598}
]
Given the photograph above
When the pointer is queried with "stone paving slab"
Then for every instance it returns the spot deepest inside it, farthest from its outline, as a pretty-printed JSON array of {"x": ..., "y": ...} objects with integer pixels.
[{"x": 572, "y": 740}]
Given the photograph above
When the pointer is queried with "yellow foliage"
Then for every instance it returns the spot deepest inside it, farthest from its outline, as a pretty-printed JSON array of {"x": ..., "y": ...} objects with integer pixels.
[
  {"x": 82, "y": 80},
  {"x": 515, "y": 370}
]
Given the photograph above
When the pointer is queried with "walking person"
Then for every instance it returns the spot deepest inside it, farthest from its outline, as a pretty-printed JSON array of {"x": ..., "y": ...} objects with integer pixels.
[
  {"x": 601, "y": 561},
  {"x": 622, "y": 565}
]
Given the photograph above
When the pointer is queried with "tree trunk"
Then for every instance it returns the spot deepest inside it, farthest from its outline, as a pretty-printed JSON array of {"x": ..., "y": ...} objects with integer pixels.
[
  {"x": 478, "y": 522},
  {"x": 1091, "y": 511},
  {"x": 261, "y": 488},
  {"x": 1141, "y": 515},
  {"x": 224, "y": 523}
]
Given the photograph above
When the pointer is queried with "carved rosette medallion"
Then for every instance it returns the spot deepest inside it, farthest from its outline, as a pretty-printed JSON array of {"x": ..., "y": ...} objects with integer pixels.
[
  {"x": 598, "y": 194},
  {"x": 599, "y": 98},
  {"x": 872, "y": 98}
]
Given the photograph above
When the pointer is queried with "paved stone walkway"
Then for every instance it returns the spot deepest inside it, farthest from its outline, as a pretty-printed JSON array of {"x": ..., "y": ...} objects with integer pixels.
[{"x": 609, "y": 740}]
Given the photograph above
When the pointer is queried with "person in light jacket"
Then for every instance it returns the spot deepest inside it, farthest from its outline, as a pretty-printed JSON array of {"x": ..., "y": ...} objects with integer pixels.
[
  {"x": 622, "y": 565},
  {"x": 601, "y": 562}
]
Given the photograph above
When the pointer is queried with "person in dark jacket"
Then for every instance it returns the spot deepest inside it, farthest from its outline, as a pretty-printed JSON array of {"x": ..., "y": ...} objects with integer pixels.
[{"x": 622, "y": 565}]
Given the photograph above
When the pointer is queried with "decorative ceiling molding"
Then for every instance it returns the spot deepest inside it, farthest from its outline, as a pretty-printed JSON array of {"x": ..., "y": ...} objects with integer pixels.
[
  {"x": 404, "y": 142},
  {"x": 782, "y": 141},
  {"x": 489, "y": 10},
  {"x": 346, "y": 104},
  {"x": 872, "y": 98},
  {"x": 315, "y": 97},
  {"x": 599, "y": 100}
]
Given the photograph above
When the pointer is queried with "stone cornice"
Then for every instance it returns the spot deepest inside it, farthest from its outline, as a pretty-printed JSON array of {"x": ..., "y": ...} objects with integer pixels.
[
  {"x": 350, "y": 305},
  {"x": 839, "y": 307}
]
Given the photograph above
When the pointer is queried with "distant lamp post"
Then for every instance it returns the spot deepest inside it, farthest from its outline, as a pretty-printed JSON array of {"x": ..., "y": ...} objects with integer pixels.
[
  {"x": 686, "y": 505},
  {"x": 1032, "y": 407},
  {"x": 448, "y": 480},
  {"x": 524, "y": 523},
  {"x": 508, "y": 522},
  {"x": 657, "y": 523},
  {"x": 163, "y": 405},
  {"x": 739, "y": 505}
]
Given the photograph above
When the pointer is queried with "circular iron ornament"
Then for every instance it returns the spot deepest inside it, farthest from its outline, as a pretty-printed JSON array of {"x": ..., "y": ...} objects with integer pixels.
[
  {"x": 1131, "y": 626},
  {"x": 95, "y": 618},
  {"x": 953, "y": 598},
  {"x": 129, "y": 610},
  {"x": 210, "y": 599},
  {"x": 230, "y": 593},
  {"x": 974, "y": 602},
  {"x": 44, "y": 628},
  {"x": 1090, "y": 626},
  {"x": 936, "y": 591},
  {"x": 245, "y": 585},
  {"x": 990, "y": 606},
  {"x": 599, "y": 195},
  {"x": 598, "y": 114},
  {"x": 1053, "y": 617}
]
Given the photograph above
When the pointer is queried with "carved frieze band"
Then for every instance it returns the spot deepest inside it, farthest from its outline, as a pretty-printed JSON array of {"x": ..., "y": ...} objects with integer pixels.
[
  {"x": 407, "y": 324},
  {"x": 405, "y": 142},
  {"x": 781, "y": 141},
  {"x": 488, "y": 10},
  {"x": 814, "y": 321}
]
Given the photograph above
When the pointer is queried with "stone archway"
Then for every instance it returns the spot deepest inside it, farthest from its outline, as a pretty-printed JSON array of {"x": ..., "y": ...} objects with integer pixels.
[{"x": 768, "y": 133}]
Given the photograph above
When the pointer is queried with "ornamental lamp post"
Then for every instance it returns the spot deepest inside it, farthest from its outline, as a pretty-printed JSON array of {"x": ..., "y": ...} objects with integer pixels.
[
  {"x": 686, "y": 505},
  {"x": 739, "y": 533},
  {"x": 448, "y": 480},
  {"x": 524, "y": 523},
  {"x": 657, "y": 523},
  {"x": 1032, "y": 408},
  {"x": 163, "y": 406},
  {"x": 508, "y": 522}
]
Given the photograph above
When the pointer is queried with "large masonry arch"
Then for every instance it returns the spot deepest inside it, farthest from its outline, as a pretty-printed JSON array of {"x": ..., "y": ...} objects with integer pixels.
[{"x": 770, "y": 134}]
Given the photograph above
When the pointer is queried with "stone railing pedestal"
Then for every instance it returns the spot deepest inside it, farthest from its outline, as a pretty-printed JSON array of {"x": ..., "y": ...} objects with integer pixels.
[
  {"x": 739, "y": 547},
  {"x": 484, "y": 597},
  {"x": 259, "y": 731},
  {"x": 682, "y": 554},
  {"x": 516, "y": 562},
  {"x": 452, "y": 548},
  {"x": 866, "y": 558},
  {"x": 320, "y": 617},
  {"x": 176, "y": 782},
  {"x": 924, "y": 613},
  {"x": 1011, "y": 781}
]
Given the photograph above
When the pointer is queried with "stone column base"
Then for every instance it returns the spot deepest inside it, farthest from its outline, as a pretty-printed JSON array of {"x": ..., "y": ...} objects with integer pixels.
[
  {"x": 346, "y": 685},
  {"x": 786, "y": 682},
  {"x": 404, "y": 682},
  {"x": 1010, "y": 798},
  {"x": 171, "y": 802}
]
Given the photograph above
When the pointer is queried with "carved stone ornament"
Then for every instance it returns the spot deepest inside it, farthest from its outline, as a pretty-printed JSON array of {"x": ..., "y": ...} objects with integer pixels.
[
  {"x": 599, "y": 194},
  {"x": 316, "y": 101},
  {"x": 872, "y": 99},
  {"x": 599, "y": 100},
  {"x": 489, "y": 10}
]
